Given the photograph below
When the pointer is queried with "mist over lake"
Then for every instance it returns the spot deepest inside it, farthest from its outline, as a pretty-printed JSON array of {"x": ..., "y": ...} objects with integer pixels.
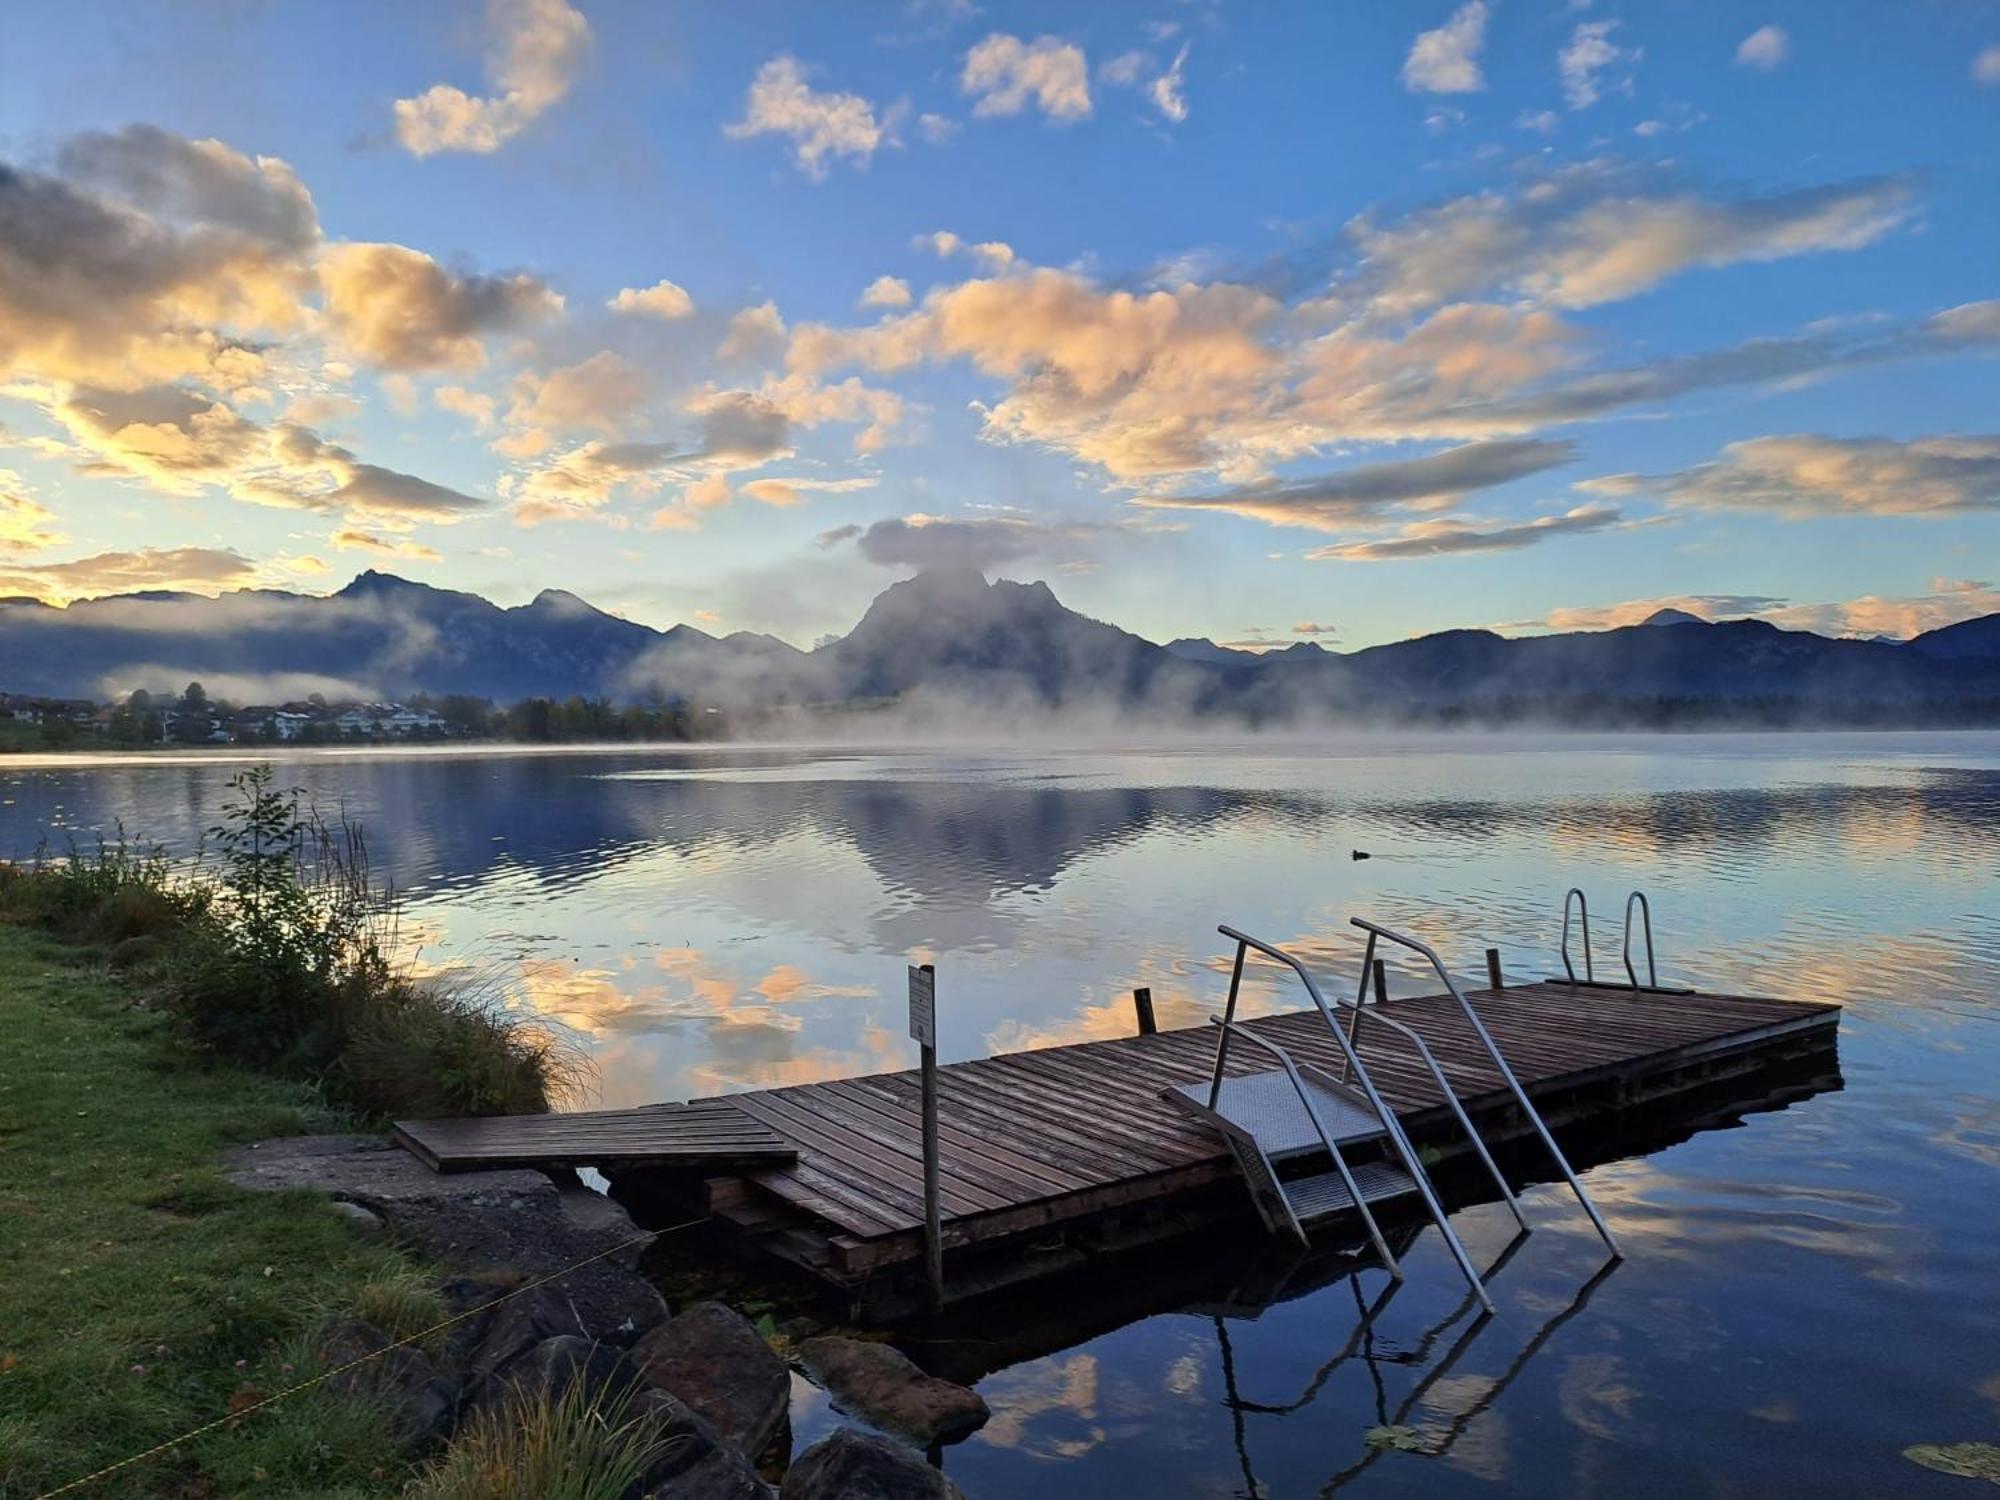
[{"x": 730, "y": 918}]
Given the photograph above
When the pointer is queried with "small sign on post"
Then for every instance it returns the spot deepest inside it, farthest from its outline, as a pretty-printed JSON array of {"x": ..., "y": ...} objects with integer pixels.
[
  {"x": 923, "y": 1027},
  {"x": 923, "y": 1004}
]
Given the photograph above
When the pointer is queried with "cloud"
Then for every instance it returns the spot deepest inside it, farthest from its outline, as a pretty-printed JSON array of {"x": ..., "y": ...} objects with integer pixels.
[
  {"x": 785, "y": 490},
  {"x": 350, "y": 540},
  {"x": 821, "y": 127},
  {"x": 662, "y": 299},
  {"x": 147, "y": 257},
  {"x": 598, "y": 394},
  {"x": 1446, "y": 61},
  {"x": 995, "y": 255},
  {"x": 921, "y": 541},
  {"x": 1313, "y": 627},
  {"x": 399, "y": 308},
  {"x": 1949, "y": 602},
  {"x": 937, "y": 129},
  {"x": 1764, "y": 49},
  {"x": 1597, "y": 233},
  {"x": 306, "y": 471},
  {"x": 204, "y": 570},
  {"x": 755, "y": 334},
  {"x": 886, "y": 291},
  {"x": 1541, "y": 121},
  {"x": 1986, "y": 66},
  {"x": 1589, "y": 56},
  {"x": 539, "y": 48},
  {"x": 1003, "y": 74},
  {"x": 1334, "y": 502},
  {"x": 1444, "y": 538},
  {"x": 1805, "y": 475},
  {"x": 1169, "y": 91},
  {"x": 25, "y": 526}
]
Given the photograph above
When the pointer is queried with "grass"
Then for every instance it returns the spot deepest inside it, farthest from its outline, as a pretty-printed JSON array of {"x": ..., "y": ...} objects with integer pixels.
[
  {"x": 278, "y": 952},
  {"x": 139, "y": 1292},
  {"x": 563, "y": 1447}
]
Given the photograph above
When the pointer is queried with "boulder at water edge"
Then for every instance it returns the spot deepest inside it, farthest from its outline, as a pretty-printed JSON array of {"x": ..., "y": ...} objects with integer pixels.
[
  {"x": 716, "y": 1362},
  {"x": 853, "y": 1465},
  {"x": 882, "y": 1387}
]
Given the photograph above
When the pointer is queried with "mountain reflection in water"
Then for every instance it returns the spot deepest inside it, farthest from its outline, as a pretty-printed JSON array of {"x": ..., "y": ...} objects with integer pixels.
[{"x": 1809, "y": 1291}]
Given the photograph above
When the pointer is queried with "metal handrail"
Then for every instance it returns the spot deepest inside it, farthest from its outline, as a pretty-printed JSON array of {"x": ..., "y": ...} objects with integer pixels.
[
  {"x": 1646, "y": 916},
  {"x": 1383, "y": 1112},
  {"x": 1326, "y": 1139},
  {"x": 1583, "y": 909},
  {"x": 1457, "y": 1108},
  {"x": 1507, "y": 1073}
]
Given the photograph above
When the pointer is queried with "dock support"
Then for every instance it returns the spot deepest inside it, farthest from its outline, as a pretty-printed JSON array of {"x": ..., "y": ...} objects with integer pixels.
[
  {"x": 923, "y": 1029},
  {"x": 1381, "y": 971},
  {"x": 1142, "y": 1005},
  {"x": 1493, "y": 980}
]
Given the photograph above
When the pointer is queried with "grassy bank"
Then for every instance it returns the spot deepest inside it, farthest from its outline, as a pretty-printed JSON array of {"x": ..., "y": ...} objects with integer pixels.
[{"x": 139, "y": 1293}]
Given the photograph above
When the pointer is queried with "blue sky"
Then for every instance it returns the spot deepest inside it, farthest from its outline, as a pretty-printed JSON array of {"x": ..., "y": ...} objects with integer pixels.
[{"x": 1329, "y": 321}]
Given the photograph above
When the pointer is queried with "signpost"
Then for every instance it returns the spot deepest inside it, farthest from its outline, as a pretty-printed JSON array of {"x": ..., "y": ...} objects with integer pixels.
[{"x": 923, "y": 1027}]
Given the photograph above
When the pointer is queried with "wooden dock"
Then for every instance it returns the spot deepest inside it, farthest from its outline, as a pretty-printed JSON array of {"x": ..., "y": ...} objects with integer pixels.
[{"x": 829, "y": 1175}]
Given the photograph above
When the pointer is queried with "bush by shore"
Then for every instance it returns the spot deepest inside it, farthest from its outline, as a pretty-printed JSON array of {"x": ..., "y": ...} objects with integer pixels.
[{"x": 278, "y": 952}]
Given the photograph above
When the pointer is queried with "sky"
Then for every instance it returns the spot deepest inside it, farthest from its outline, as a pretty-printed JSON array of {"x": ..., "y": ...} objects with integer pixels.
[{"x": 1340, "y": 322}]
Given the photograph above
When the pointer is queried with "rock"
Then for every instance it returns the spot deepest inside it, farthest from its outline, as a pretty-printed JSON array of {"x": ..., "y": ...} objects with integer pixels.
[
  {"x": 423, "y": 1401},
  {"x": 518, "y": 1220},
  {"x": 366, "y": 1221},
  {"x": 548, "y": 1368},
  {"x": 695, "y": 1463},
  {"x": 851, "y": 1465},
  {"x": 715, "y": 1362},
  {"x": 880, "y": 1385}
]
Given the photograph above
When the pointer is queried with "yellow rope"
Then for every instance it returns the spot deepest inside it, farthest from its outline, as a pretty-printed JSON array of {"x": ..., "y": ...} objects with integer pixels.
[{"x": 326, "y": 1375}]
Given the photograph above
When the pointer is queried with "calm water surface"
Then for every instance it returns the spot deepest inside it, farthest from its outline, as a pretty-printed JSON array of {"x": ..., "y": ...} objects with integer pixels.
[{"x": 1807, "y": 1293}]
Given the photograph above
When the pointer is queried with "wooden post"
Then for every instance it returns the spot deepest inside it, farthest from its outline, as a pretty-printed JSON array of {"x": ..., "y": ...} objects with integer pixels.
[
  {"x": 1381, "y": 981},
  {"x": 1142, "y": 1002},
  {"x": 923, "y": 1026},
  {"x": 1493, "y": 980}
]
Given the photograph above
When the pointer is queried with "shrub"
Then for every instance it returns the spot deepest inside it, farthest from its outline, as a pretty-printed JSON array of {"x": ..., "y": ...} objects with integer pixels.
[
  {"x": 278, "y": 955},
  {"x": 566, "y": 1445}
]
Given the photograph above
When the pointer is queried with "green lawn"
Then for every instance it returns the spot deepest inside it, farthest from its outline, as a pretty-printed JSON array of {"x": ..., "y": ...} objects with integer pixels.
[{"x": 139, "y": 1292}]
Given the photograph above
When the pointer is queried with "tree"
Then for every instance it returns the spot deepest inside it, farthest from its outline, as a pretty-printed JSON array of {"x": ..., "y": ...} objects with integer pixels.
[{"x": 192, "y": 725}]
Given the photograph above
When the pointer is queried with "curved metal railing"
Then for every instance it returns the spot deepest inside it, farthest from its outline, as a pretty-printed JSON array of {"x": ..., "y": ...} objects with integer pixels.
[
  {"x": 1390, "y": 1124},
  {"x": 1506, "y": 1073},
  {"x": 1583, "y": 909},
  {"x": 1646, "y": 916}
]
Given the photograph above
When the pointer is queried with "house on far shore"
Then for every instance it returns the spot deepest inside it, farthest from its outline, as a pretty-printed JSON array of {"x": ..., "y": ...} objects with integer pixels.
[{"x": 377, "y": 721}]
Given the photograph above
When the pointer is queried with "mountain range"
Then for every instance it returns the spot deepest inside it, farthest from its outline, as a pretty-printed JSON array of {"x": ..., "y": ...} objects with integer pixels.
[{"x": 950, "y": 644}]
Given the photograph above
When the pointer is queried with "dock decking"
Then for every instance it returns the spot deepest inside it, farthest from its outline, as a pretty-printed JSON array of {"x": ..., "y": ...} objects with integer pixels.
[{"x": 830, "y": 1174}]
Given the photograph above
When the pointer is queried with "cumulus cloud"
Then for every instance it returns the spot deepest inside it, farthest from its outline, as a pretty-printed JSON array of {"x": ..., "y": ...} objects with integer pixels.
[
  {"x": 1334, "y": 502},
  {"x": 886, "y": 291},
  {"x": 663, "y": 299},
  {"x": 1986, "y": 66},
  {"x": 822, "y": 127},
  {"x": 1806, "y": 475},
  {"x": 201, "y": 570},
  {"x": 755, "y": 334},
  {"x": 146, "y": 257},
  {"x": 985, "y": 543},
  {"x": 1446, "y": 61},
  {"x": 1443, "y": 538},
  {"x": 1003, "y": 74},
  {"x": 1591, "y": 63},
  {"x": 1764, "y": 49},
  {"x": 597, "y": 394},
  {"x": 539, "y": 48},
  {"x": 399, "y": 308}
]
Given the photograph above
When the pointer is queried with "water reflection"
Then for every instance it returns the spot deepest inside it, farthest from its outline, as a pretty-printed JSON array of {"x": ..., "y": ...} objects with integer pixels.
[{"x": 1809, "y": 1290}]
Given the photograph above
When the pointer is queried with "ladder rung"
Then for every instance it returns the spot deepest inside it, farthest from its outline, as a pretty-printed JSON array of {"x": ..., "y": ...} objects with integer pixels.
[{"x": 1323, "y": 1195}]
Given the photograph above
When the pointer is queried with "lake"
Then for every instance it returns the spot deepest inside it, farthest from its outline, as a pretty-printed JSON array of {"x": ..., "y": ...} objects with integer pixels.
[{"x": 1808, "y": 1292}]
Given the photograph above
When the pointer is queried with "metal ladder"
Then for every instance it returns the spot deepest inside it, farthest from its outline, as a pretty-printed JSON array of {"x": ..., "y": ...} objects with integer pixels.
[
  {"x": 1528, "y": 1110},
  {"x": 1636, "y": 901},
  {"x": 1296, "y": 1110}
]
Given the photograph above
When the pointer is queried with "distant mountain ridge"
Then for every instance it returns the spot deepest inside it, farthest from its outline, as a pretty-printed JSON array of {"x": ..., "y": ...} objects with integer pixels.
[{"x": 952, "y": 640}]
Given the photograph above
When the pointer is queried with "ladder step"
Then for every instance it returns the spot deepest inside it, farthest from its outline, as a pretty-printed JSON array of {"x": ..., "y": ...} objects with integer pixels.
[
  {"x": 1324, "y": 1195},
  {"x": 1266, "y": 1107}
]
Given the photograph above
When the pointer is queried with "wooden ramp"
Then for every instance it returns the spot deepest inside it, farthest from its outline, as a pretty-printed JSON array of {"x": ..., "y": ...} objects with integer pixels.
[
  {"x": 1064, "y": 1135},
  {"x": 711, "y": 1133}
]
